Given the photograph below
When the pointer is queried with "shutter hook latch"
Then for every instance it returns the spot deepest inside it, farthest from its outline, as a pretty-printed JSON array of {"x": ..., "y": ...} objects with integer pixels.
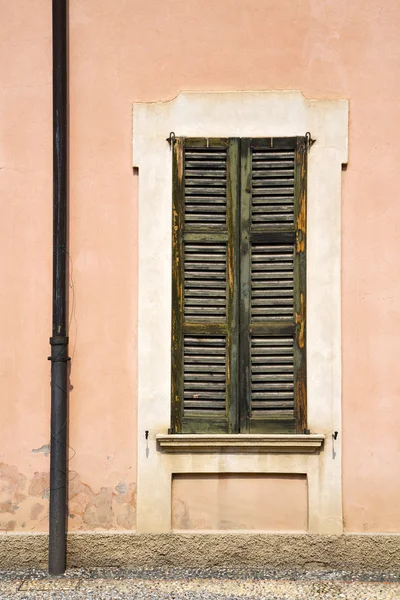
[
  {"x": 171, "y": 139},
  {"x": 309, "y": 141}
]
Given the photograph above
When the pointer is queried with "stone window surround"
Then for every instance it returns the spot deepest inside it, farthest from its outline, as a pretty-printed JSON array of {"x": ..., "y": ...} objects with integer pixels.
[{"x": 240, "y": 114}]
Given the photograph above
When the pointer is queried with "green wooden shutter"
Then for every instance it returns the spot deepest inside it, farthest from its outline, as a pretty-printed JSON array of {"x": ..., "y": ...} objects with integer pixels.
[
  {"x": 205, "y": 285},
  {"x": 272, "y": 287}
]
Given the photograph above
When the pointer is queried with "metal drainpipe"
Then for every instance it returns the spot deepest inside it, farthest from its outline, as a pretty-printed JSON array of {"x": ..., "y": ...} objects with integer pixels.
[{"x": 59, "y": 340}]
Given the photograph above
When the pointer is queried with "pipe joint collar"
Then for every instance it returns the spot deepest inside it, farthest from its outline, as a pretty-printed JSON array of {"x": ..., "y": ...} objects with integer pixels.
[{"x": 59, "y": 340}]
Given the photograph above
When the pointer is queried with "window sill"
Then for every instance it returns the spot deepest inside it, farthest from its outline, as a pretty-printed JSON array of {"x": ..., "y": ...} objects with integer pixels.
[{"x": 255, "y": 443}]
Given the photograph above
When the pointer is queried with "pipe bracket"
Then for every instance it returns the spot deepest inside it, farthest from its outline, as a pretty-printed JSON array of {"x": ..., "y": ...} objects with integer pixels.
[{"x": 62, "y": 342}]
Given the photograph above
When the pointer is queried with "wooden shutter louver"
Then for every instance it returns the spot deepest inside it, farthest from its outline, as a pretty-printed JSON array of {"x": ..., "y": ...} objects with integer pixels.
[
  {"x": 273, "y": 270},
  {"x": 272, "y": 187},
  {"x": 204, "y": 375},
  {"x": 205, "y": 187},
  {"x": 272, "y": 385},
  {"x": 204, "y": 383},
  {"x": 205, "y": 280},
  {"x": 272, "y": 292},
  {"x": 204, "y": 285}
]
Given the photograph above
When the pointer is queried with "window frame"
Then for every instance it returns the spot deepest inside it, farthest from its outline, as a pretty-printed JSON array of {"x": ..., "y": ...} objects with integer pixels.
[{"x": 242, "y": 114}]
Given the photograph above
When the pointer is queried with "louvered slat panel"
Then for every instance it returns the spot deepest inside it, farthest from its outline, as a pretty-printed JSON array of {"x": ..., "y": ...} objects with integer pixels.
[
  {"x": 205, "y": 187},
  {"x": 204, "y": 323},
  {"x": 272, "y": 282},
  {"x": 205, "y": 281},
  {"x": 272, "y": 187},
  {"x": 272, "y": 376},
  {"x": 272, "y": 290},
  {"x": 204, "y": 386}
]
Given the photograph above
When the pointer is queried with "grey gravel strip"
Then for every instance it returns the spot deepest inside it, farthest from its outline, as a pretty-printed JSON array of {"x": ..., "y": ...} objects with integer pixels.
[
  {"x": 199, "y": 584},
  {"x": 176, "y": 573}
]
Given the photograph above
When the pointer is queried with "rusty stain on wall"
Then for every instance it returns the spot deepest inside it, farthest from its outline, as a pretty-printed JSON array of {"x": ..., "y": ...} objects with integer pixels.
[{"x": 26, "y": 499}]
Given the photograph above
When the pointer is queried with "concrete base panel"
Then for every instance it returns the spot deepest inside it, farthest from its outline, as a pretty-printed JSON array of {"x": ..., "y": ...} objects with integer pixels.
[{"x": 351, "y": 551}]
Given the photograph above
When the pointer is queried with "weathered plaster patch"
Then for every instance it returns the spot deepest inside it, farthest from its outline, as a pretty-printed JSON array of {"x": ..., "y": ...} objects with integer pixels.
[
  {"x": 180, "y": 514},
  {"x": 7, "y": 526},
  {"x": 127, "y": 518},
  {"x": 107, "y": 509},
  {"x": 12, "y": 484},
  {"x": 127, "y": 497},
  {"x": 45, "y": 449},
  {"x": 99, "y": 512},
  {"x": 27, "y": 500},
  {"x": 121, "y": 487},
  {"x": 18, "y": 497},
  {"x": 7, "y": 507},
  {"x": 36, "y": 511},
  {"x": 39, "y": 484}
]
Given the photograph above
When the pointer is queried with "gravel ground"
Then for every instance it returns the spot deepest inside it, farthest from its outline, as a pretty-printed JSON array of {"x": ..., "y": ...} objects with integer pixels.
[{"x": 199, "y": 584}]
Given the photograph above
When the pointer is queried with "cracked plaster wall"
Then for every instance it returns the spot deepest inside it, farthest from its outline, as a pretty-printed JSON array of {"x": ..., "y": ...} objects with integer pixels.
[{"x": 24, "y": 503}]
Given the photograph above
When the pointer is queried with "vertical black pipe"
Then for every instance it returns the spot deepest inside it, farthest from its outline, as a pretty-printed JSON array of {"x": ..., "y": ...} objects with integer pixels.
[{"x": 59, "y": 339}]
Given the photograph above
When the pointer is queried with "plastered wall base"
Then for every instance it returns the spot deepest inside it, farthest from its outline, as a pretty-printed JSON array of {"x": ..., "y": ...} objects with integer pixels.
[{"x": 348, "y": 551}]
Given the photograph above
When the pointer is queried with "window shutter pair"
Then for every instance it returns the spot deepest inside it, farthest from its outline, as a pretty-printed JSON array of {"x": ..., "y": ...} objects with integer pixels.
[{"x": 238, "y": 318}]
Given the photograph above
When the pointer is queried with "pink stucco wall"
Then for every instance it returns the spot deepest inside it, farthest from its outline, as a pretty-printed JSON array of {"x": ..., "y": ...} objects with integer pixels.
[
  {"x": 123, "y": 51},
  {"x": 240, "y": 501}
]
